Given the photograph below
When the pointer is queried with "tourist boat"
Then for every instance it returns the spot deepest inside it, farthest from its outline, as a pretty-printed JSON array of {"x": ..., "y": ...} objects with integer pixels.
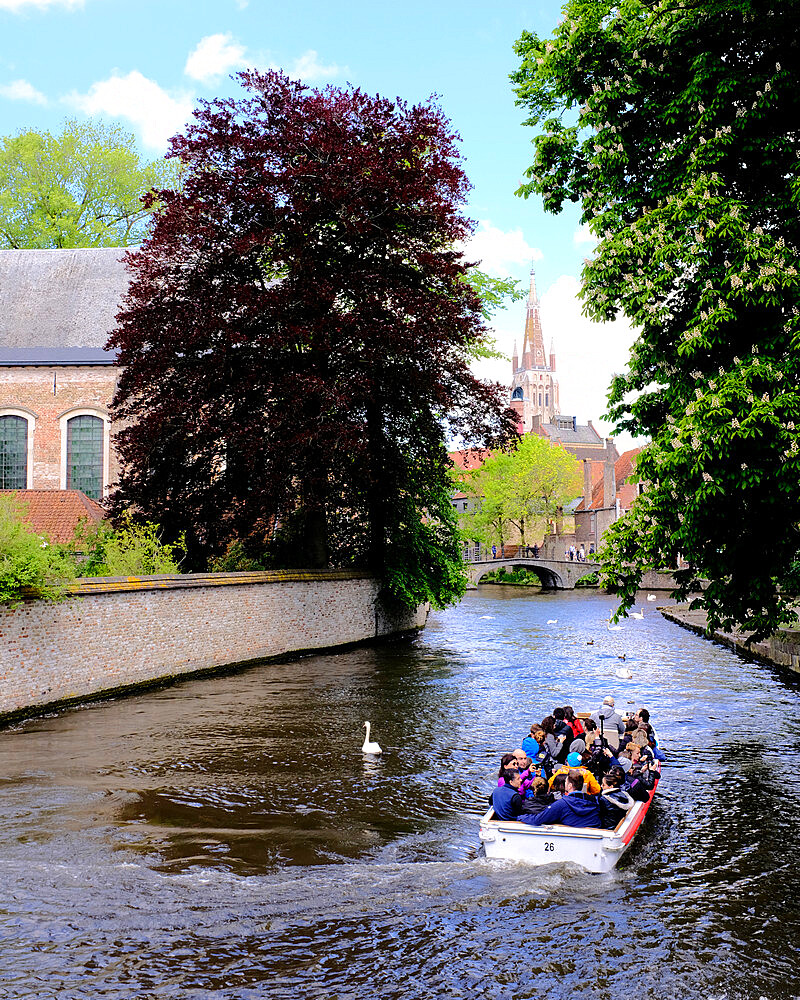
[{"x": 593, "y": 849}]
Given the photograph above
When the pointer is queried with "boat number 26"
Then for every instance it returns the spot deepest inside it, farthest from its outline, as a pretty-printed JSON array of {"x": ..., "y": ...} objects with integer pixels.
[{"x": 549, "y": 845}]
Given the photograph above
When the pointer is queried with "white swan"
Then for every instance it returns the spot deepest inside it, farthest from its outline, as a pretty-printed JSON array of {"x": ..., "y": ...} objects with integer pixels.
[
  {"x": 552, "y": 621},
  {"x": 640, "y": 615},
  {"x": 614, "y": 628},
  {"x": 652, "y": 597},
  {"x": 370, "y": 746},
  {"x": 623, "y": 673}
]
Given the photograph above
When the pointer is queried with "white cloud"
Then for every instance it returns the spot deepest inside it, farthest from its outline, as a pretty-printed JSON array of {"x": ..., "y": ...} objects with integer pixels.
[
  {"x": 587, "y": 354},
  {"x": 498, "y": 252},
  {"x": 308, "y": 68},
  {"x": 156, "y": 113},
  {"x": 214, "y": 55},
  {"x": 21, "y": 90},
  {"x": 15, "y": 6},
  {"x": 583, "y": 235}
]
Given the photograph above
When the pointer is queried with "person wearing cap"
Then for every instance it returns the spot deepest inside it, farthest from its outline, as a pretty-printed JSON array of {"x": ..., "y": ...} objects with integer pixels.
[
  {"x": 573, "y": 763},
  {"x": 576, "y": 808}
]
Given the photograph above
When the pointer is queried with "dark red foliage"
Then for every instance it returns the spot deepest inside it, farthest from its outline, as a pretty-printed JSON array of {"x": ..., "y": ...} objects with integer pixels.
[{"x": 294, "y": 346}]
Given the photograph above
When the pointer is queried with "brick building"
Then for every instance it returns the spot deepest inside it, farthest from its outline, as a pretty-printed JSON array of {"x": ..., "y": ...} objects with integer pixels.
[
  {"x": 609, "y": 489},
  {"x": 57, "y": 380}
]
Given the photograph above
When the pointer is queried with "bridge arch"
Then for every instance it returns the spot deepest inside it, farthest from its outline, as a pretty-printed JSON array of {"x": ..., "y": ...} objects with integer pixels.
[
  {"x": 549, "y": 578},
  {"x": 553, "y": 573}
]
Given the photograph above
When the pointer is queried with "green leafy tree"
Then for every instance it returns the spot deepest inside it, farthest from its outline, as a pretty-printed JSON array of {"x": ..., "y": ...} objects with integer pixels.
[
  {"x": 493, "y": 294},
  {"x": 30, "y": 565},
  {"x": 674, "y": 127},
  {"x": 83, "y": 188},
  {"x": 130, "y": 549},
  {"x": 488, "y": 522},
  {"x": 522, "y": 487}
]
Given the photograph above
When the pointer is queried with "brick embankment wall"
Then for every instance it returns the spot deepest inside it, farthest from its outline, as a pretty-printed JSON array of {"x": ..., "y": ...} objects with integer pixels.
[
  {"x": 113, "y": 634},
  {"x": 781, "y": 649}
]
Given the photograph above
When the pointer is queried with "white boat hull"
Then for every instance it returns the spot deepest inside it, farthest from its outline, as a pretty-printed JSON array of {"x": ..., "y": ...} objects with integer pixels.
[{"x": 593, "y": 849}]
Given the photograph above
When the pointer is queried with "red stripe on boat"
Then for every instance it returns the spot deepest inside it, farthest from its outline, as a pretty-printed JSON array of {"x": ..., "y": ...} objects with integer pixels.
[{"x": 635, "y": 826}]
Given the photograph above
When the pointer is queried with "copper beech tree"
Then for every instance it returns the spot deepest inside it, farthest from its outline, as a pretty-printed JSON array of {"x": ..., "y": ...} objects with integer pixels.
[{"x": 296, "y": 341}]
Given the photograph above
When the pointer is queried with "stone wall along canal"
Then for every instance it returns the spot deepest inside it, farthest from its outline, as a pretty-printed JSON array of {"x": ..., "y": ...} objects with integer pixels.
[{"x": 225, "y": 838}]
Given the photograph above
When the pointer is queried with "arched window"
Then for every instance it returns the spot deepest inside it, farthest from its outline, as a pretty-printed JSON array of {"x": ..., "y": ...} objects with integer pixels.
[
  {"x": 517, "y": 393},
  {"x": 540, "y": 399},
  {"x": 85, "y": 455},
  {"x": 546, "y": 399},
  {"x": 13, "y": 453}
]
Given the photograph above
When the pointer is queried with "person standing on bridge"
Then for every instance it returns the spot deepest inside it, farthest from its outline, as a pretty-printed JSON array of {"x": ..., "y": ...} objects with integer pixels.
[
  {"x": 582, "y": 554},
  {"x": 494, "y": 552}
]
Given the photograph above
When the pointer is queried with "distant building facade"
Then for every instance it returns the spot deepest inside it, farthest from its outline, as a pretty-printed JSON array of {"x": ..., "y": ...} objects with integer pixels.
[{"x": 57, "y": 380}]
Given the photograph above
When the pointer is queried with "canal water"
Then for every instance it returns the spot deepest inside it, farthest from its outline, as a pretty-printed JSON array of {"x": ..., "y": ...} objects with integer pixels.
[{"x": 225, "y": 838}]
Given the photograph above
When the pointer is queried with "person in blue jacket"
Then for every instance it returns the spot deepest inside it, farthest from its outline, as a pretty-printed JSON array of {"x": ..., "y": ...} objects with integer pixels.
[
  {"x": 506, "y": 799},
  {"x": 576, "y": 808}
]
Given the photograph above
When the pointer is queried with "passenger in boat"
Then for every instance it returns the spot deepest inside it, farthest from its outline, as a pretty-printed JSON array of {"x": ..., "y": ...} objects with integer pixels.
[
  {"x": 614, "y": 801},
  {"x": 531, "y": 744},
  {"x": 559, "y": 787},
  {"x": 539, "y": 799},
  {"x": 573, "y": 722},
  {"x": 613, "y": 727},
  {"x": 630, "y": 728},
  {"x": 517, "y": 760},
  {"x": 639, "y": 781},
  {"x": 590, "y": 732},
  {"x": 576, "y": 808},
  {"x": 506, "y": 799},
  {"x": 655, "y": 749},
  {"x": 590, "y": 783},
  {"x": 563, "y": 728},
  {"x": 526, "y": 772},
  {"x": 506, "y": 761},
  {"x": 553, "y": 743}
]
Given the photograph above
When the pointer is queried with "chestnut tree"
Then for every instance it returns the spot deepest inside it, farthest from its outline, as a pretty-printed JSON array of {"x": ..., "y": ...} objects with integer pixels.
[{"x": 675, "y": 127}]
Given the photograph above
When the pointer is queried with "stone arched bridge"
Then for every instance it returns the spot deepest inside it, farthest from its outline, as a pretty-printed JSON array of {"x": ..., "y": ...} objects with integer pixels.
[{"x": 555, "y": 574}]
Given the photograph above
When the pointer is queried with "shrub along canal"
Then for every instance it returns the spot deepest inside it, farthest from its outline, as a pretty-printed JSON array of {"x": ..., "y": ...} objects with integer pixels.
[{"x": 226, "y": 837}]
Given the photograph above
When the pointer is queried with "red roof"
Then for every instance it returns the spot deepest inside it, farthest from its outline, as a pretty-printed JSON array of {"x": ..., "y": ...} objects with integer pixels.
[
  {"x": 469, "y": 458},
  {"x": 56, "y": 513}
]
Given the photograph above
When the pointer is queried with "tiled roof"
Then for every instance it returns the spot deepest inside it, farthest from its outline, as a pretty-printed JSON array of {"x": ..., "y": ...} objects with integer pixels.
[
  {"x": 56, "y": 513},
  {"x": 469, "y": 458}
]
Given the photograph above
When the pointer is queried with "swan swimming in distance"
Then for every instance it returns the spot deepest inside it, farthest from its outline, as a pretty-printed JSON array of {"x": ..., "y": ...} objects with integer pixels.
[
  {"x": 623, "y": 673},
  {"x": 651, "y": 597},
  {"x": 370, "y": 746},
  {"x": 552, "y": 621}
]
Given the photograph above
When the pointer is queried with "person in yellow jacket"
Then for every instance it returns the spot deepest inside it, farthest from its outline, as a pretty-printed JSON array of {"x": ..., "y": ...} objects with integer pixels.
[{"x": 590, "y": 784}]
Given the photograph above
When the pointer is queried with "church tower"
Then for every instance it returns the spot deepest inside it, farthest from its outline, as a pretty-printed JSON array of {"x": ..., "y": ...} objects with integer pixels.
[{"x": 534, "y": 388}]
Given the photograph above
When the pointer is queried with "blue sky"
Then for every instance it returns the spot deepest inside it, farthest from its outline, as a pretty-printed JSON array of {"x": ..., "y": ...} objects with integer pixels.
[{"x": 144, "y": 64}]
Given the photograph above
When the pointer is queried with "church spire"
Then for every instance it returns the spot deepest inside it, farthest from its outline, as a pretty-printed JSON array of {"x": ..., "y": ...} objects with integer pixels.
[{"x": 533, "y": 355}]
